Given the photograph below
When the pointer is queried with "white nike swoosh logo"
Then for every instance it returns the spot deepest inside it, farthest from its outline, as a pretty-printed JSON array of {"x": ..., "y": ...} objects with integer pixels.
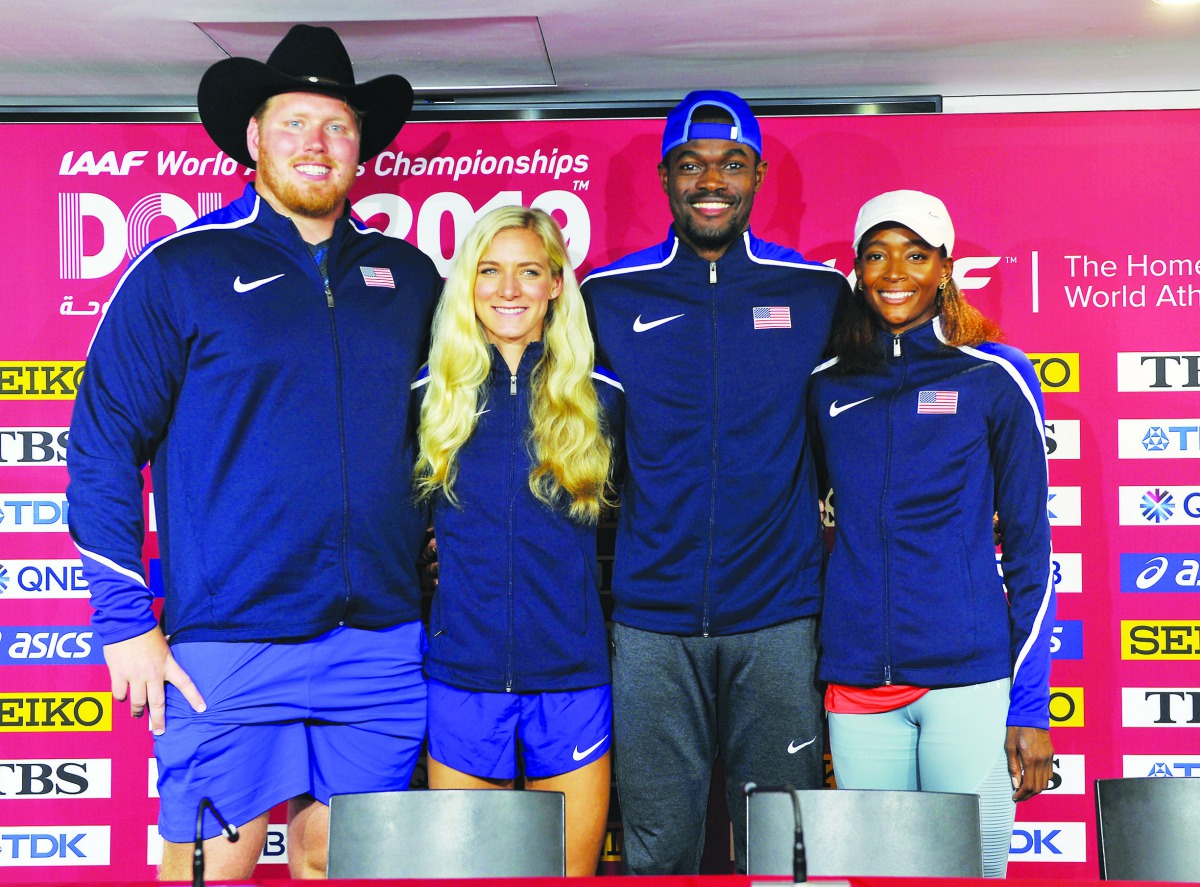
[
  {"x": 834, "y": 409},
  {"x": 793, "y": 748},
  {"x": 239, "y": 287},
  {"x": 639, "y": 327},
  {"x": 580, "y": 755}
]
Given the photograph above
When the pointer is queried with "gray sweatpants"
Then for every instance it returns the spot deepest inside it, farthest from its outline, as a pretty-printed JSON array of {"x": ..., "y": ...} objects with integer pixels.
[{"x": 678, "y": 702}]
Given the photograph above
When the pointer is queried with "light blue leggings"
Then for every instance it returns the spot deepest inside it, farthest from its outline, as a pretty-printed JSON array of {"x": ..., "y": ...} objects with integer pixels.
[{"x": 949, "y": 740}]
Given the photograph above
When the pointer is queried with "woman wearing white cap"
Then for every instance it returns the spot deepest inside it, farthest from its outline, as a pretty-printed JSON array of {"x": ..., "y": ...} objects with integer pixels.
[{"x": 937, "y": 679}]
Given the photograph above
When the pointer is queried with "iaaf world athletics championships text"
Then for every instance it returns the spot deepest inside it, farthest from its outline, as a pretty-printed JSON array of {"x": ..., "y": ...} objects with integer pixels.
[{"x": 395, "y": 163}]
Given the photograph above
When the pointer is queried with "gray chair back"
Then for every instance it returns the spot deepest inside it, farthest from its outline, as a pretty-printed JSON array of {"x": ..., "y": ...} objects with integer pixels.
[
  {"x": 1148, "y": 828},
  {"x": 860, "y": 832},
  {"x": 447, "y": 833}
]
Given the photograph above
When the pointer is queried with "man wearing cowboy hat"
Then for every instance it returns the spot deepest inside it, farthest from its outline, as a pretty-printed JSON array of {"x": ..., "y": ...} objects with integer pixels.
[{"x": 259, "y": 361}]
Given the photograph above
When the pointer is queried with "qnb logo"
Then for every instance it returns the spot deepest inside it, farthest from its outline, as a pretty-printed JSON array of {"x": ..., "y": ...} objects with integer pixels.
[
  {"x": 1157, "y": 505},
  {"x": 1048, "y": 842},
  {"x": 121, "y": 236},
  {"x": 54, "y": 845}
]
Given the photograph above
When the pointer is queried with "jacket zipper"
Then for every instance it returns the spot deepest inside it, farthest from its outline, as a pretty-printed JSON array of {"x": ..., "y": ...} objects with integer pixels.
[
  {"x": 341, "y": 414},
  {"x": 512, "y": 523},
  {"x": 887, "y": 578},
  {"x": 712, "y": 502}
]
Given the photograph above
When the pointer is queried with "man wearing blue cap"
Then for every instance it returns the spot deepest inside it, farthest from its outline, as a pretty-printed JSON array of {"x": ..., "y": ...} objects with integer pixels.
[{"x": 719, "y": 552}]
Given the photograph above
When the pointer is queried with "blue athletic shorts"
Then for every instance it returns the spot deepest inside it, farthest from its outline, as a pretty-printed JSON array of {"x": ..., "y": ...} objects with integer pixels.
[
  {"x": 495, "y": 735},
  {"x": 339, "y": 714}
]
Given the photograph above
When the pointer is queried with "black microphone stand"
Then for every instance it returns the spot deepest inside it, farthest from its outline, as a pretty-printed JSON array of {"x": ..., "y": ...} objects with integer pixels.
[
  {"x": 799, "y": 854},
  {"x": 231, "y": 834}
]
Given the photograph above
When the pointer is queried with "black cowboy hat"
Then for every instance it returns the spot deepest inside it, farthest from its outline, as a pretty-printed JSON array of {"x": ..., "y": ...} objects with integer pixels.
[{"x": 308, "y": 59}]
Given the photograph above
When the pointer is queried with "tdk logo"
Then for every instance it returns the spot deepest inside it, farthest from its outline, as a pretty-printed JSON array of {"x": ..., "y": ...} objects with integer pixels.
[
  {"x": 1048, "y": 842},
  {"x": 1167, "y": 766},
  {"x": 49, "y": 644},
  {"x": 107, "y": 164},
  {"x": 1160, "y": 572},
  {"x": 54, "y": 845},
  {"x": 33, "y": 513},
  {"x": 1158, "y": 438}
]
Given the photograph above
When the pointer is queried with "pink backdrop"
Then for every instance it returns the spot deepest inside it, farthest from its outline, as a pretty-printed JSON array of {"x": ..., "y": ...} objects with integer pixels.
[{"x": 1073, "y": 232}]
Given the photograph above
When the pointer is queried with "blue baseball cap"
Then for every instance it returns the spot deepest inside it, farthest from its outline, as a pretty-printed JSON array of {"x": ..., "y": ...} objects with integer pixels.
[{"x": 680, "y": 128}]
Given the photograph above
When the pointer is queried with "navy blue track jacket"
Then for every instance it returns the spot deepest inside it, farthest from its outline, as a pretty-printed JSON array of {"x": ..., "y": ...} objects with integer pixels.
[
  {"x": 518, "y": 602},
  {"x": 718, "y": 532},
  {"x": 920, "y": 453},
  {"x": 274, "y": 410}
]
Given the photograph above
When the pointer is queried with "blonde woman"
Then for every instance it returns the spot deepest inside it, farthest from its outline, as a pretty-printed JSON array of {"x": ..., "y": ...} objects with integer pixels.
[{"x": 515, "y": 457}]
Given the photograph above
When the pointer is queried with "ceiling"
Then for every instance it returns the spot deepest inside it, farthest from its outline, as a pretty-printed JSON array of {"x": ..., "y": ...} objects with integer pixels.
[{"x": 150, "y": 54}]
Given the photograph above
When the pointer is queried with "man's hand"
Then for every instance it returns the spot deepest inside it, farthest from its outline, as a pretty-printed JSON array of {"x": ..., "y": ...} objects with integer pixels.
[
  {"x": 139, "y": 667},
  {"x": 1030, "y": 760}
]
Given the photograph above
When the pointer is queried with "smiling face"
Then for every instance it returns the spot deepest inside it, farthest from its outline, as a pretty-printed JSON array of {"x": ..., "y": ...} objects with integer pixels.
[
  {"x": 710, "y": 185},
  {"x": 514, "y": 286},
  {"x": 900, "y": 274},
  {"x": 305, "y": 146}
]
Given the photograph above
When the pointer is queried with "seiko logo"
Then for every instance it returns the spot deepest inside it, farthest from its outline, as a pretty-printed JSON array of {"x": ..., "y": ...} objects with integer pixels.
[
  {"x": 55, "y": 712},
  {"x": 69, "y": 845},
  {"x": 1160, "y": 707},
  {"x": 33, "y": 446},
  {"x": 1160, "y": 572},
  {"x": 1066, "y": 706},
  {"x": 1057, "y": 372},
  {"x": 107, "y": 164},
  {"x": 1164, "y": 639},
  {"x": 1158, "y": 371},
  {"x": 49, "y": 380},
  {"x": 72, "y": 778}
]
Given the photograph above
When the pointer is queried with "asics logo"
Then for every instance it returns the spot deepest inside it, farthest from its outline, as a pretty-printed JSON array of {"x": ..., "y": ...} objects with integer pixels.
[
  {"x": 834, "y": 409},
  {"x": 580, "y": 755},
  {"x": 793, "y": 748},
  {"x": 239, "y": 287},
  {"x": 639, "y": 327}
]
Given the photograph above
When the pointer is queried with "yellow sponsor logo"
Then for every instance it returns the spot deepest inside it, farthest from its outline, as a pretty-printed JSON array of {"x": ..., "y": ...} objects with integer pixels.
[
  {"x": 1066, "y": 706},
  {"x": 55, "y": 712},
  {"x": 40, "y": 380},
  {"x": 1164, "y": 639},
  {"x": 1057, "y": 372}
]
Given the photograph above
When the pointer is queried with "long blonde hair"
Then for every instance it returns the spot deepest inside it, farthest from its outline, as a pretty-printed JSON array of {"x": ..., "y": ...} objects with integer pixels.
[{"x": 571, "y": 452}]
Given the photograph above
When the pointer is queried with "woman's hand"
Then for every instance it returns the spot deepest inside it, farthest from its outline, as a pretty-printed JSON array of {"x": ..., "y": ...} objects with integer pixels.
[{"x": 1030, "y": 760}]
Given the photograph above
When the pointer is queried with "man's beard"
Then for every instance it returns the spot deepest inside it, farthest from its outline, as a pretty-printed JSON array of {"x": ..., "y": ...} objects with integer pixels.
[
  {"x": 314, "y": 202},
  {"x": 711, "y": 238}
]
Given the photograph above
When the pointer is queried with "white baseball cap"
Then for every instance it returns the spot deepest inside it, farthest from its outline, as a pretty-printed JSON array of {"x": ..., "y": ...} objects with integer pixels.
[{"x": 923, "y": 213}]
